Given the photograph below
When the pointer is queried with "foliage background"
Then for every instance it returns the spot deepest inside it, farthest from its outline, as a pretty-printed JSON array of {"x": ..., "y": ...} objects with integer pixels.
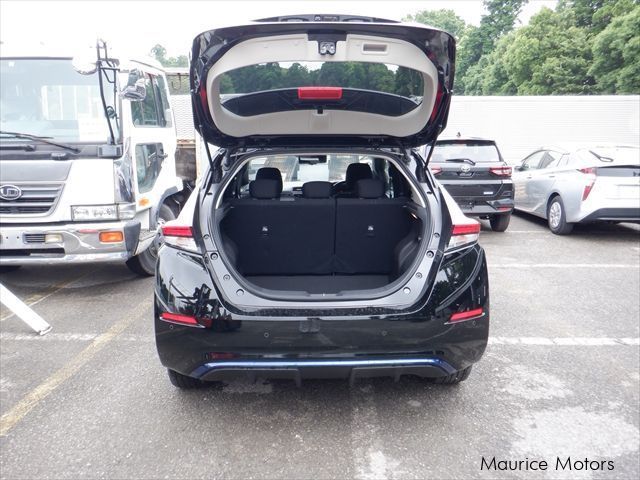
[{"x": 580, "y": 47}]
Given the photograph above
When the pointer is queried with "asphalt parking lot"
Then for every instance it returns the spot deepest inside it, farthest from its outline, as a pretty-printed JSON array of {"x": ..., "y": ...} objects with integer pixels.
[{"x": 560, "y": 378}]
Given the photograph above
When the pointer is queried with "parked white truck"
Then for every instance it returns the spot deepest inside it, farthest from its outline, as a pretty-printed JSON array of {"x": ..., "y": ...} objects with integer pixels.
[{"x": 87, "y": 159}]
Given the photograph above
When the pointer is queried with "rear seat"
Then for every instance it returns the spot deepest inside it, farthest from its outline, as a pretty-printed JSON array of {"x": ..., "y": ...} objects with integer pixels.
[
  {"x": 368, "y": 228},
  {"x": 275, "y": 237}
]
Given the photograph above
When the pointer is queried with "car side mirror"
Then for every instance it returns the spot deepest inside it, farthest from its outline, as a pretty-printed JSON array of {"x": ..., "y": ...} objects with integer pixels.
[{"x": 136, "y": 92}]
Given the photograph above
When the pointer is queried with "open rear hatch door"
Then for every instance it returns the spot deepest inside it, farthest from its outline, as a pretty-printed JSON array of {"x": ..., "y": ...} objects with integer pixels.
[{"x": 322, "y": 80}]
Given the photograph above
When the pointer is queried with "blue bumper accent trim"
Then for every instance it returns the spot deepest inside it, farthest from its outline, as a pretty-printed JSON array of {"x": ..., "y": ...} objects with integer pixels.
[{"x": 294, "y": 364}]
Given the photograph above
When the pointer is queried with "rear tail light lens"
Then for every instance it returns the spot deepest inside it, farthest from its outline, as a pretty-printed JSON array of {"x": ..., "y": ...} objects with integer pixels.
[
  {"x": 466, "y": 315},
  {"x": 180, "y": 319},
  {"x": 435, "y": 170},
  {"x": 463, "y": 235},
  {"x": 589, "y": 186},
  {"x": 180, "y": 236},
  {"x": 501, "y": 171}
]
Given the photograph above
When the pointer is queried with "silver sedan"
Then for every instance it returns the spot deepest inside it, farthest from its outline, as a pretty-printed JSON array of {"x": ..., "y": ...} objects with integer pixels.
[{"x": 580, "y": 185}]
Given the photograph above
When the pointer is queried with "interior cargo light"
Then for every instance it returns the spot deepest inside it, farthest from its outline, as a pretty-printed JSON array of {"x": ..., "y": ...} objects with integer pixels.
[
  {"x": 180, "y": 319},
  {"x": 467, "y": 315},
  {"x": 180, "y": 236},
  {"x": 464, "y": 234},
  {"x": 320, "y": 93}
]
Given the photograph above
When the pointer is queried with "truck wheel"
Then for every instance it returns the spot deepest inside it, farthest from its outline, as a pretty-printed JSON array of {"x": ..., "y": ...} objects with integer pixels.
[
  {"x": 457, "y": 377},
  {"x": 499, "y": 223},
  {"x": 557, "y": 219},
  {"x": 182, "y": 381},
  {"x": 144, "y": 264}
]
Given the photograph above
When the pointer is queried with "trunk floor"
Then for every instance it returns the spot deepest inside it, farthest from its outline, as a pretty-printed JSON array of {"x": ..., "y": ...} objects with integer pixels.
[{"x": 319, "y": 283}]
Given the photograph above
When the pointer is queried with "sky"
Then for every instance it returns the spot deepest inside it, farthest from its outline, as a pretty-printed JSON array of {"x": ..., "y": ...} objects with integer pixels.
[{"x": 138, "y": 25}]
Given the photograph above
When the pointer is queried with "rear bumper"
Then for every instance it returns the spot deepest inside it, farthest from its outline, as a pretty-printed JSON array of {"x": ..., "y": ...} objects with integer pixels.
[
  {"x": 336, "y": 343},
  {"x": 475, "y": 208},
  {"x": 28, "y": 244},
  {"x": 614, "y": 214},
  {"x": 426, "y": 367}
]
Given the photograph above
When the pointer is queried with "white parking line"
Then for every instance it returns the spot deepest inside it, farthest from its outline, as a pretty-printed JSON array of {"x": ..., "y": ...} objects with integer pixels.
[
  {"x": 69, "y": 369},
  {"x": 565, "y": 265},
  {"x": 557, "y": 341}
]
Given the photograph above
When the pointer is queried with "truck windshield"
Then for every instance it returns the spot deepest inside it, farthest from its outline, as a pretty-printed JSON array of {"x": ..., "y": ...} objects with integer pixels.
[{"x": 47, "y": 97}]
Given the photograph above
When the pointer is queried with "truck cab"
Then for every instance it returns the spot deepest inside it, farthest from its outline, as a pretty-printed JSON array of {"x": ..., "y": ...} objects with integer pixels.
[{"x": 87, "y": 159}]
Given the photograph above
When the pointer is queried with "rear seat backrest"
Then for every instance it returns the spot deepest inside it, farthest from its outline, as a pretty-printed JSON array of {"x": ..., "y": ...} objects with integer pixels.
[
  {"x": 276, "y": 237},
  {"x": 368, "y": 229},
  {"x": 270, "y": 173}
]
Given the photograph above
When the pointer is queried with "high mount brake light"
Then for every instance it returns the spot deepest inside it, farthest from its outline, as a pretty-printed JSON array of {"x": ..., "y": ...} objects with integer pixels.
[
  {"x": 179, "y": 236},
  {"x": 501, "y": 171},
  {"x": 320, "y": 93},
  {"x": 464, "y": 234}
]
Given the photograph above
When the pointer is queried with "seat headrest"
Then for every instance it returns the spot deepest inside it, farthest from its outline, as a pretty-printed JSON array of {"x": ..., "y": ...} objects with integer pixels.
[
  {"x": 370, "y": 188},
  {"x": 270, "y": 173},
  {"x": 265, "y": 189},
  {"x": 316, "y": 190},
  {"x": 357, "y": 171}
]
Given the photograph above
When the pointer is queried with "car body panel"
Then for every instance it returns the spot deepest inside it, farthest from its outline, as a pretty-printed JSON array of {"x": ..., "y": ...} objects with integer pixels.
[
  {"x": 349, "y": 334},
  {"x": 477, "y": 191},
  {"x": 427, "y": 50},
  {"x": 615, "y": 187}
]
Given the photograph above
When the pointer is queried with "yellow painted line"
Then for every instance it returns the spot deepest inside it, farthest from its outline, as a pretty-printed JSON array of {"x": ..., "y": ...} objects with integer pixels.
[
  {"x": 33, "y": 398},
  {"x": 38, "y": 297}
]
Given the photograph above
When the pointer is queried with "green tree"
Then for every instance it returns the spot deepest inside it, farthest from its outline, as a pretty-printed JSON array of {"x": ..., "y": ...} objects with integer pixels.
[
  {"x": 478, "y": 41},
  {"x": 444, "y": 19},
  {"x": 550, "y": 56},
  {"x": 595, "y": 15},
  {"x": 160, "y": 54},
  {"x": 616, "y": 54}
]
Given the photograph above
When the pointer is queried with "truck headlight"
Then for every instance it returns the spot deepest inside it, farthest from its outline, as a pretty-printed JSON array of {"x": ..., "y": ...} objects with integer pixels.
[{"x": 94, "y": 212}]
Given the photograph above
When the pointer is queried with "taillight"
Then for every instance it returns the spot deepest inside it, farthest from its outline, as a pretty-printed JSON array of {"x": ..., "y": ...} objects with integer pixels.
[
  {"x": 500, "y": 171},
  {"x": 464, "y": 234},
  {"x": 589, "y": 186},
  {"x": 320, "y": 93},
  {"x": 180, "y": 236},
  {"x": 436, "y": 104},
  {"x": 435, "y": 170},
  {"x": 466, "y": 315},
  {"x": 180, "y": 319}
]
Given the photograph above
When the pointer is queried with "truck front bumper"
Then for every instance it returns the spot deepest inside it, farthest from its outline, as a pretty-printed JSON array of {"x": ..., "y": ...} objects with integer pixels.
[{"x": 66, "y": 243}]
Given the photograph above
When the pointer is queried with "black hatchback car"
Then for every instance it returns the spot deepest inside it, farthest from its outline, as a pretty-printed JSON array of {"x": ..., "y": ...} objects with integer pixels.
[
  {"x": 318, "y": 243},
  {"x": 477, "y": 177}
]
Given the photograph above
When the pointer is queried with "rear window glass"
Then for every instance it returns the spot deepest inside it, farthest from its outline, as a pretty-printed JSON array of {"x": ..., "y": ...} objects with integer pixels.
[
  {"x": 478, "y": 153},
  {"x": 378, "y": 77},
  {"x": 295, "y": 172},
  {"x": 365, "y": 87},
  {"x": 620, "y": 155}
]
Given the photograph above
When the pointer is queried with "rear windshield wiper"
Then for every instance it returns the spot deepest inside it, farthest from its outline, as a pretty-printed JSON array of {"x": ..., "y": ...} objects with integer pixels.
[
  {"x": 461, "y": 160},
  {"x": 37, "y": 138}
]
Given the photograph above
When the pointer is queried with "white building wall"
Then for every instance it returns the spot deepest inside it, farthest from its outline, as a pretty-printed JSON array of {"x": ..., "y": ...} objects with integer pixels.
[
  {"x": 518, "y": 124},
  {"x": 522, "y": 124}
]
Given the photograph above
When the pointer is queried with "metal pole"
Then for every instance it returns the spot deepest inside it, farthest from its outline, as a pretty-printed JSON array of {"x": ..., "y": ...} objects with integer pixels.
[{"x": 23, "y": 312}]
